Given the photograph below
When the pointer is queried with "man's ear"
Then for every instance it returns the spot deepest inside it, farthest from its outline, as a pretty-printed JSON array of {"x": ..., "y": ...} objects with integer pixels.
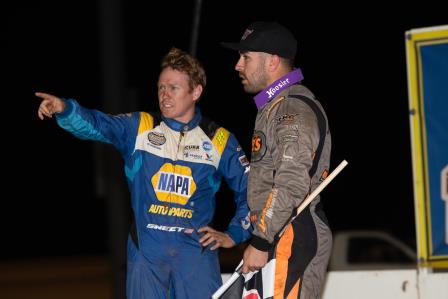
[
  {"x": 274, "y": 62},
  {"x": 197, "y": 91}
]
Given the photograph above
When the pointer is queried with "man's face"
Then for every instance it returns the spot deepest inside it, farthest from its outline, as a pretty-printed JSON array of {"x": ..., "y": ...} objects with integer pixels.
[
  {"x": 176, "y": 100},
  {"x": 252, "y": 70}
]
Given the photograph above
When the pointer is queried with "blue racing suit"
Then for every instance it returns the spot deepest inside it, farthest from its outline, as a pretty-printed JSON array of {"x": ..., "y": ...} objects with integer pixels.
[{"x": 173, "y": 171}]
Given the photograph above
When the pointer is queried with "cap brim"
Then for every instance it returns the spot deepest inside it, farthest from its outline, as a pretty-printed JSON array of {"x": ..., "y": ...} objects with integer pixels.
[{"x": 233, "y": 46}]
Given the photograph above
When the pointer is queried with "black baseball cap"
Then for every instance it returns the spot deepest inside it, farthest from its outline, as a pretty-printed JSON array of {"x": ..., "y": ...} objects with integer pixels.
[{"x": 268, "y": 37}]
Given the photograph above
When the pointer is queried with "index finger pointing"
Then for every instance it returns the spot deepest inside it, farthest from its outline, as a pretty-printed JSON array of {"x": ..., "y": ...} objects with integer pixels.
[{"x": 43, "y": 95}]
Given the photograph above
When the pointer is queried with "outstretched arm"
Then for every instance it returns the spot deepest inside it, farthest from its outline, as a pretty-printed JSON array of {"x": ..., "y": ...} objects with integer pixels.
[
  {"x": 50, "y": 104},
  {"x": 90, "y": 124}
]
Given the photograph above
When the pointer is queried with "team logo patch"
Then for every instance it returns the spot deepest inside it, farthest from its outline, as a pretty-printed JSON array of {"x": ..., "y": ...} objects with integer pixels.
[
  {"x": 258, "y": 146},
  {"x": 207, "y": 146},
  {"x": 192, "y": 152},
  {"x": 247, "y": 32},
  {"x": 191, "y": 148},
  {"x": 156, "y": 138},
  {"x": 253, "y": 218},
  {"x": 245, "y": 223},
  {"x": 286, "y": 118},
  {"x": 243, "y": 160},
  {"x": 324, "y": 175},
  {"x": 209, "y": 157},
  {"x": 173, "y": 183}
]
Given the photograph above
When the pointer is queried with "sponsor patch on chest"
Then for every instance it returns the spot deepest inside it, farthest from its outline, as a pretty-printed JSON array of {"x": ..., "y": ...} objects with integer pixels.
[
  {"x": 173, "y": 183},
  {"x": 258, "y": 146},
  {"x": 156, "y": 138}
]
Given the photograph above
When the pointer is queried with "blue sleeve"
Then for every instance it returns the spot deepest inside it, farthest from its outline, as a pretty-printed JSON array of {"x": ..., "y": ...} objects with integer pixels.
[
  {"x": 88, "y": 124},
  {"x": 234, "y": 167}
]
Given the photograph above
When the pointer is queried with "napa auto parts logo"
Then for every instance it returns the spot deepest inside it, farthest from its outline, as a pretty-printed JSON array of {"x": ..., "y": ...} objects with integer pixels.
[{"x": 173, "y": 183}]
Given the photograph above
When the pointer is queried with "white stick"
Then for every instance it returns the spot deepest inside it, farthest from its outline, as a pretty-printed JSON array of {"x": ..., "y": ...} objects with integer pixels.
[
  {"x": 302, "y": 206},
  {"x": 322, "y": 185},
  {"x": 228, "y": 283}
]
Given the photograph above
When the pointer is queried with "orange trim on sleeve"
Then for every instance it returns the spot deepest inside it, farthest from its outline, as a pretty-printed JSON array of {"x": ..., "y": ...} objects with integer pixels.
[
  {"x": 262, "y": 225},
  {"x": 274, "y": 103}
]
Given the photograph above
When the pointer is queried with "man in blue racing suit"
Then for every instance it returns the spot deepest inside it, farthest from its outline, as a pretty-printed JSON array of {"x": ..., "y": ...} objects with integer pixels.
[{"x": 174, "y": 162}]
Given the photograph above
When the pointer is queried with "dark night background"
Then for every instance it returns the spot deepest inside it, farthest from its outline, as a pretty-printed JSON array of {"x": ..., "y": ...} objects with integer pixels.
[{"x": 352, "y": 57}]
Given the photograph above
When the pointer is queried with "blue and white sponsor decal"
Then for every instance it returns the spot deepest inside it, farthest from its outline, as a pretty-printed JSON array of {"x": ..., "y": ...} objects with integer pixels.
[{"x": 207, "y": 146}]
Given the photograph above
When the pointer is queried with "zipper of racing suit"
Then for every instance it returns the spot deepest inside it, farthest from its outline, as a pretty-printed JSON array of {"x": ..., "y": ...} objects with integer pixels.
[
  {"x": 179, "y": 148},
  {"x": 181, "y": 136}
]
